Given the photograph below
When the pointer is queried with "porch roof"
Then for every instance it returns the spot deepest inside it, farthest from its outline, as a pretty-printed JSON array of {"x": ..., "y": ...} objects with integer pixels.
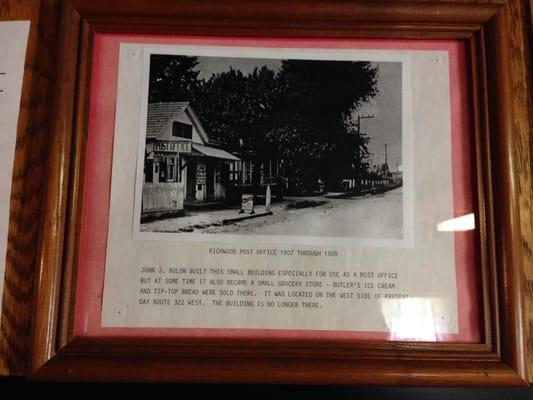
[{"x": 214, "y": 152}]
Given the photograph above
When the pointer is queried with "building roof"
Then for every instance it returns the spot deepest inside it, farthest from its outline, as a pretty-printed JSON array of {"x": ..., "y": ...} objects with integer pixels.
[
  {"x": 159, "y": 115},
  {"x": 214, "y": 152}
]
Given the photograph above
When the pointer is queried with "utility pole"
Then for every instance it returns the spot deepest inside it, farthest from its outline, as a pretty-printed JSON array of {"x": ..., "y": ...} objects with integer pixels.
[
  {"x": 386, "y": 169},
  {"x": 357, "y": 164}
]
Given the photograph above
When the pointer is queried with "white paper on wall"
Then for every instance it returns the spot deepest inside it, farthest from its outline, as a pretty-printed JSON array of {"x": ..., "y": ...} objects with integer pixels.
[{"x": 13, "y": 43}]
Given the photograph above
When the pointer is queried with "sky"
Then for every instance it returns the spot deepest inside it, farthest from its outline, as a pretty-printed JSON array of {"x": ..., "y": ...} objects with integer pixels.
[
  {"x": 386, "y": 107},
  {"x": 386, "y": 126}
]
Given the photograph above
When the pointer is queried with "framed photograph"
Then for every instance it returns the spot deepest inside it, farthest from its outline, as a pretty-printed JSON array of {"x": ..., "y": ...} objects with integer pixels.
[{"x": 246, "y": 194}]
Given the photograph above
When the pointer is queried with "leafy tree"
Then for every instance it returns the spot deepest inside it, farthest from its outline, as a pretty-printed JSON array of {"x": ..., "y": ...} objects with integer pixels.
[
  {"x": 173, "y": 78},
  {"x": 238, "y": 109},
  {"x": 316, "y": 105}
]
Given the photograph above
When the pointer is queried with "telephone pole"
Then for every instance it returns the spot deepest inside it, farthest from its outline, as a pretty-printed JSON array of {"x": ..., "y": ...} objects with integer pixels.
[
  {"x": 357, "y": 163},
  {"x": 386, "y": 169}
]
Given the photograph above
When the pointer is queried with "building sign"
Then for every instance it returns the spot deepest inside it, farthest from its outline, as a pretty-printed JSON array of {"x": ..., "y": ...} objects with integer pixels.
[
  {"x": 200, "y": 174},
  {"x": 181, "y": 146},
  {"x": 247, "y": 203}
]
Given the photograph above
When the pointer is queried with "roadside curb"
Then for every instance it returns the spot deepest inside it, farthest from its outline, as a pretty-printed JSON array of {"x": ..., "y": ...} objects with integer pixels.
[{"x": 228, "y": 221}]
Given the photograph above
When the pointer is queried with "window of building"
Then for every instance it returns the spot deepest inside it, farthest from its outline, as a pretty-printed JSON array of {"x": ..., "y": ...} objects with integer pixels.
[
  {"x": 149, "y": 171},
  {"x": 248, "y": 172},
  {"x": 170, "y": 170},
  {"x": 163, "y": 170},
  {"x": 234, "y": 170},
  {"x": 179, "y": 129}
]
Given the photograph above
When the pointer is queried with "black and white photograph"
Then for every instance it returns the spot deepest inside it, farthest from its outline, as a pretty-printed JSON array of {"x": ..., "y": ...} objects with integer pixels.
[
  {"x": 273, "y": 146},
  {"x": 246, "y": 171}
]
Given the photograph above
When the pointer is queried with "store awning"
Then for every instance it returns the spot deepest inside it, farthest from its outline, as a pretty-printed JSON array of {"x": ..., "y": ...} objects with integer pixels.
[{"x": 214, "y": 152}]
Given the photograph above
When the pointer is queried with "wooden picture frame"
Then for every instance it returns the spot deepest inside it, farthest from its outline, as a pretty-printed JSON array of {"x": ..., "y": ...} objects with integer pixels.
[{"x": 500, "y": 152}]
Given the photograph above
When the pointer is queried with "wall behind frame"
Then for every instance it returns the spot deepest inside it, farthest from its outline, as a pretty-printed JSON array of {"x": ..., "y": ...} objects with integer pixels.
[{"x": 29, "y": 175}]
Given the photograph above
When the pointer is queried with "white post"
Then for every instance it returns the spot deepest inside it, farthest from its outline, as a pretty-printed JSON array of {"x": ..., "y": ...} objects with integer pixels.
[{"x": 267, "y": 199}]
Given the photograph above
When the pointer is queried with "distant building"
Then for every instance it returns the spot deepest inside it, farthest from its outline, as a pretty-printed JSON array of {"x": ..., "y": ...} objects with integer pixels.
[
  {"x": 179, "y": 151},
  {"x": 252, "y": 174},
  {"x": 396, "y": 178}
]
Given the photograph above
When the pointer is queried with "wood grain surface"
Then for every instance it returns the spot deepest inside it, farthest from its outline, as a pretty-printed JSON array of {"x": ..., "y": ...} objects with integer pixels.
[
  {"x": 518, "y": 49},
  {"x": 32, "y": 153},
  {"x": 499, "y": 361},
  {"x": 29, "y": 179},
  {"x": 522, "y": 61}
]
